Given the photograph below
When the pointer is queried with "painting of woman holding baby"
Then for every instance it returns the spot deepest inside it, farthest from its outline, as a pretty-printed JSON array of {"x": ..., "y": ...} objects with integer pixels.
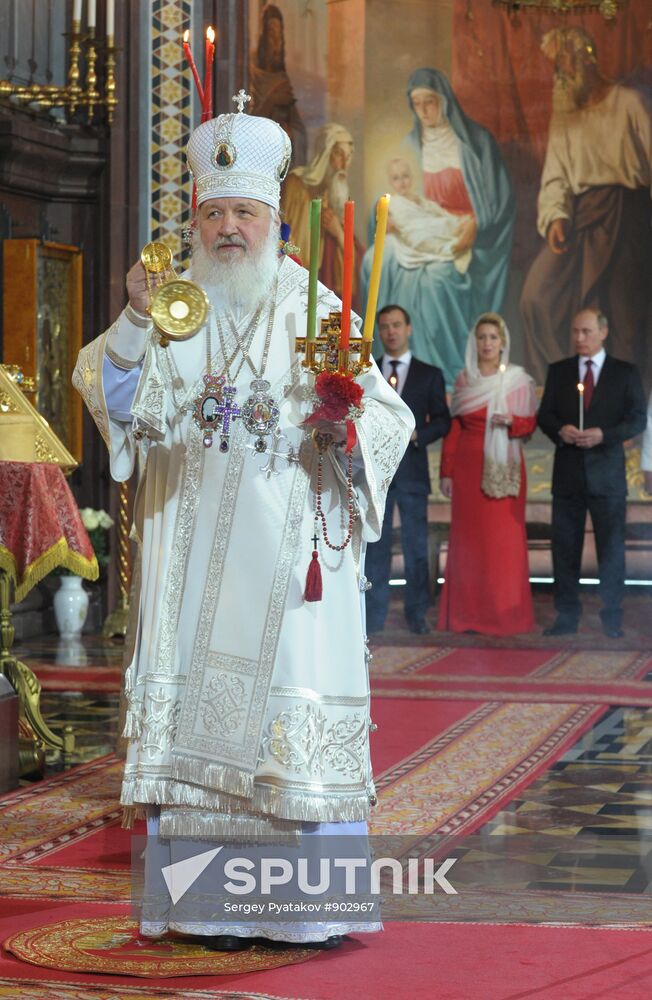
[{"x": 448, "y": 251}]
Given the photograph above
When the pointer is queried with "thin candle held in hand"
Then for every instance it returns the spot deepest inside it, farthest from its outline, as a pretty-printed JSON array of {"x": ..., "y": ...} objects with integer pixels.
[
  {"x": 382, "y": 213},
  {"x": 347, "y": 277},
  {"x": 315, "y": 233},
  {"x": 580, "y": 391}
]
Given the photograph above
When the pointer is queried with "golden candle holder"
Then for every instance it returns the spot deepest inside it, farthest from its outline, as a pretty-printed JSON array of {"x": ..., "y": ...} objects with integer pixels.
[
  {"x": 110, "y": 85},
  {"x": 27, "y": 687},
  {"x": 75, "y": 93},
  {"x": 323, "y": 352},
  {"x": 91, "y": 97}
]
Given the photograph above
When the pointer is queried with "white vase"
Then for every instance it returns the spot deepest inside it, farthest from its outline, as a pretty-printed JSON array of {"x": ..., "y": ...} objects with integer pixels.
[{"x": 70, "y": 606}]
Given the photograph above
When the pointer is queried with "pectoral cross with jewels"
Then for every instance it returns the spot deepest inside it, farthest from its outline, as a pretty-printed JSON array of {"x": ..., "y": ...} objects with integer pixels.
[
  {"x": 240, "y": 99},
  {"x": 228, "y": 410},
  {"x": 291, "y": 456}
]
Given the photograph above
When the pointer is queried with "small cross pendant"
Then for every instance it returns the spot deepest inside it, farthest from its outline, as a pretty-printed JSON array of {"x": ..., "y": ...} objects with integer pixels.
[{"x": 240, "y": 99}]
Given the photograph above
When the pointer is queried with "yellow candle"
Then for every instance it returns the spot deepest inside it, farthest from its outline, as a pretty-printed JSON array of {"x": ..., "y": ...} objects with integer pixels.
[{"x": 382, "y": 212}]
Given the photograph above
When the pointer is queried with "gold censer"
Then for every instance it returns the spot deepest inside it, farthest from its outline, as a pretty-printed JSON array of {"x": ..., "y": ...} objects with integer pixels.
[{"x": 178, "y": 307}]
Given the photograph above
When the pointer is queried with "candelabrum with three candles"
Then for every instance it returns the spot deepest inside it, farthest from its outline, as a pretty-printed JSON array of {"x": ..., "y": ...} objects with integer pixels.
[{"x": 325, "y": 353}]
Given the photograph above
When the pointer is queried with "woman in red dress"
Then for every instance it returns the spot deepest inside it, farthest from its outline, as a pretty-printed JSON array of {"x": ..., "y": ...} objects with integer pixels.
[{"x": 487, "y": 585}]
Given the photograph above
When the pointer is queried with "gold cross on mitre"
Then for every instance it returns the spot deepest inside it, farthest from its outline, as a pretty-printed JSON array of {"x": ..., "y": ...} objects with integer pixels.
[
  {"x": 327, "y": 345},
  {"x": 240, "y": 99}
]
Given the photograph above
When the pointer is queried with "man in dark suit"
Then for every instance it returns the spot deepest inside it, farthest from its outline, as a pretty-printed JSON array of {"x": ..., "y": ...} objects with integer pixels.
[
  {"x": 588, "y": 425},
  {"x": 422, "y": 388}
]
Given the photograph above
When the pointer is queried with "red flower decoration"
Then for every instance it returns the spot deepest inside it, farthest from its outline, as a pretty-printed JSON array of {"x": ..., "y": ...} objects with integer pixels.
[{"x": 338, "y": 393}]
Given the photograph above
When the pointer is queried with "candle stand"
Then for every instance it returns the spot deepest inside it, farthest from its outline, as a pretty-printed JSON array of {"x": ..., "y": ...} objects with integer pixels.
[{"x": 323, "y": 353}]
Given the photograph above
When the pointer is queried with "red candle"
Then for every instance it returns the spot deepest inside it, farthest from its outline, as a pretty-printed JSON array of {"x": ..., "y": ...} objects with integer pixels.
[
  {"x": 191, "y": 63},
  {"x": 347, "y": 275},
  {"x": 207, "y": 104}
]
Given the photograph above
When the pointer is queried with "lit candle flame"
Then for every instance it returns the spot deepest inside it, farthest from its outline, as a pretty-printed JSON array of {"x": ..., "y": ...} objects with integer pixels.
[
  {"x": 210, "y": 34},
  {"x": 502, "y": 368},
  {"x": 186, "y": 36},
  {"x": 580, "y": 387}
]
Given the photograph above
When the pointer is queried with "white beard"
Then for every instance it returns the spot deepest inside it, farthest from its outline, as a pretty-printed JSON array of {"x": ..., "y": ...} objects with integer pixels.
[
  {"x": 338, "y": 192},
  {"x": 237, "y": 285}
]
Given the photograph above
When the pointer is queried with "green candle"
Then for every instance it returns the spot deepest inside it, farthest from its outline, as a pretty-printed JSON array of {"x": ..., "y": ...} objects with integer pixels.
[{"x": 315, "y": 232}]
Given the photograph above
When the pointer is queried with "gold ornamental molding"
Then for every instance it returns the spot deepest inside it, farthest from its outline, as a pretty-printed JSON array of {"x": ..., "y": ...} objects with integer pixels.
[{"x": 608, "y": 8}]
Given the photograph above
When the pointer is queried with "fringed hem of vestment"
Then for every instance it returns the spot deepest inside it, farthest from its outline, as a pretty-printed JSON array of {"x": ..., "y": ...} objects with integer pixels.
[
  {"x": 346, "y": 806},
  {"x": 206, "y": 774},
  {"x": 273, "y": 932},
  {"x": 240, "y": 829}
]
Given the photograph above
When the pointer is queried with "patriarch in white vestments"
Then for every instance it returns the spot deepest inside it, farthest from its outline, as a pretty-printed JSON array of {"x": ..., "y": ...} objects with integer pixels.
[{"x": 248, "y": 706}]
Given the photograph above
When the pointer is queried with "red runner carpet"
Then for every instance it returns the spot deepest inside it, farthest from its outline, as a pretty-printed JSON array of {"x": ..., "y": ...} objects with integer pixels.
[
  {"x": 86, "y": 678},
  {"x": 407, "y": 962},
  {"x": 443, "y": 767},
  {"x": 534, "y": 675}
]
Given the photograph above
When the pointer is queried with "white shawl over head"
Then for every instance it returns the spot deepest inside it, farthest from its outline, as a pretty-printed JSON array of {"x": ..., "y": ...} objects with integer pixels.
[{"x": 509, "y": 390}]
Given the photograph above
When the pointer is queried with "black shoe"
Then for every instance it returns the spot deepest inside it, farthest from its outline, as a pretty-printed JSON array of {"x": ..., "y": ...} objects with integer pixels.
[
  {"x": 561, "y": 627},
  {"x": 418, "y": 627},
  {"x": 227, "y": 942},
  {"x": 613, "y": 631},
  {"x": 334, "y": 941}
]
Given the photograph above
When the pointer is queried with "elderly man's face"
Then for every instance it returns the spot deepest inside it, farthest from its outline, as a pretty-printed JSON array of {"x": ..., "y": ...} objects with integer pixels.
[
  {"x": 232, "y": 227},
  {"x": 427, "y": 106},
  {"x": 341, "y": 156}
]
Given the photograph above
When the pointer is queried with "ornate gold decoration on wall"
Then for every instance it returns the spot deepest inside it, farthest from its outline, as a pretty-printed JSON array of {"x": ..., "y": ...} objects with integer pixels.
[{"x": 608, "y": 8}]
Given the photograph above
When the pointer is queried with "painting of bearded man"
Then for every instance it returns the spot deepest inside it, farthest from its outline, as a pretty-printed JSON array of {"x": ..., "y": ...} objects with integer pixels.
[
  {"x": 325, "y": 177},
  {"x": 594, "y": 210}
]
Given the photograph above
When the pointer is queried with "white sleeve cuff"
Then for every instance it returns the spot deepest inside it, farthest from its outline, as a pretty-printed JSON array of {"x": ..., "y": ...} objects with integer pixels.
[{"x": 128, "y": 338}]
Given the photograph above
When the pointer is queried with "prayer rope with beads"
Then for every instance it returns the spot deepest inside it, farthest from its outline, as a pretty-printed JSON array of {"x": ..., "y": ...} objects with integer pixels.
[{"x": 319, "y": 513}]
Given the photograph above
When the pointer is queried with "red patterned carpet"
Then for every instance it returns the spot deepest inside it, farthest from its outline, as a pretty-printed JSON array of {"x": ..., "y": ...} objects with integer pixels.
[
  {"x": 446, "y": 758},
  {"x": 531, "y": 675}
]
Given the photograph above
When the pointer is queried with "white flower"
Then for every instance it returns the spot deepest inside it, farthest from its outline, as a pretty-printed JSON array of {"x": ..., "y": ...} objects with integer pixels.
[
  {"x": 104, "y": 520},
  {"x": 90, "y": 518}
]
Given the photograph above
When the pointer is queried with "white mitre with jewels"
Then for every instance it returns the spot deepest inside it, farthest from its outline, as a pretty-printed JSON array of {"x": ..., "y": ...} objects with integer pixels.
[{"x": 239, "y": 156}]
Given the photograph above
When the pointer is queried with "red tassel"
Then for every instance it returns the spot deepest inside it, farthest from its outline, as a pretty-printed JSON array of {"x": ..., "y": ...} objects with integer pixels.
[
  {"x": 351, "y": 437},
  {"x": 313, "y": 589}
]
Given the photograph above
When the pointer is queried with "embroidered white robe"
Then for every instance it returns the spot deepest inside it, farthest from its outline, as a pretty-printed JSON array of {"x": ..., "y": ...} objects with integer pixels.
[{"x": 248, "y": 707}]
